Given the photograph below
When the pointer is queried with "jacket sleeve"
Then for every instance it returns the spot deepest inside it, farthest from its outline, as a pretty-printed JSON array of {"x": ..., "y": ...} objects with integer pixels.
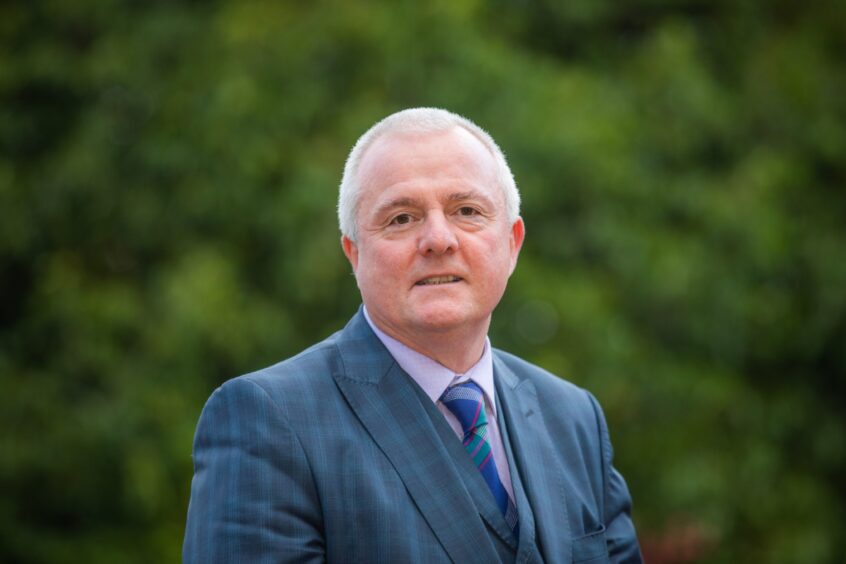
[
  {"x": 253, "y": 496},
  {"x": 619, "y": 528}
]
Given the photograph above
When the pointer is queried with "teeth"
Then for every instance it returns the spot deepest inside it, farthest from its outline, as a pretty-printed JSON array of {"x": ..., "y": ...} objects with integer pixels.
[{"x": 439, "y": 280}]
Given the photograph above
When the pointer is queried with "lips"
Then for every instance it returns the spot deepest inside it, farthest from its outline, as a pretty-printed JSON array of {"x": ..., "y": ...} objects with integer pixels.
[{"x": 436, "y": 280}]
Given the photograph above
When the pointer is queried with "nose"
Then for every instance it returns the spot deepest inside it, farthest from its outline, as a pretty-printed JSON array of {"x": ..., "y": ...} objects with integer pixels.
[{"x": 437, "y": 236}]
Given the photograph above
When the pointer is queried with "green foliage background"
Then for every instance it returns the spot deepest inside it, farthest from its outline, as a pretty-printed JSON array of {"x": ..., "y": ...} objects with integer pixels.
[{"x": 168, "y": 174}]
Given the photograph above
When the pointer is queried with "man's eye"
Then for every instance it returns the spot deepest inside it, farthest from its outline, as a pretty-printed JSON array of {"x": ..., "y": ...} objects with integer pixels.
[
  {"x": 401, "y": 219},
  {"x": 467, "y": 211}
]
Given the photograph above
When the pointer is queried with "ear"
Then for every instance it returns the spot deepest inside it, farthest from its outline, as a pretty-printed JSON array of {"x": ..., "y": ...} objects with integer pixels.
[
  {"x": 518, "y": 233},
  {"x": 350, "y": 250}
]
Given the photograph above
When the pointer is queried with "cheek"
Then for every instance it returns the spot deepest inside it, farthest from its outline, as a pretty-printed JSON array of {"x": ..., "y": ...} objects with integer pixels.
[
  {"x": 497, "y": 257},
  {"x": 378, "y": 269},
  {"x": 496, "y": 263}
]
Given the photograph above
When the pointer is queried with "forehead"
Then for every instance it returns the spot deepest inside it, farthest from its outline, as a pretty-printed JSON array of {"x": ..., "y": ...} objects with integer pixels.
[{"x": 453, "y": 159}]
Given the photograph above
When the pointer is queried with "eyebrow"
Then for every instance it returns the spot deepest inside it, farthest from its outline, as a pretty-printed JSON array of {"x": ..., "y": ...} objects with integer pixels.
[
  {"x": 407, "y": 202},
  {"x": 398, "y": 203},
  {"x": 469, "y": 195}
]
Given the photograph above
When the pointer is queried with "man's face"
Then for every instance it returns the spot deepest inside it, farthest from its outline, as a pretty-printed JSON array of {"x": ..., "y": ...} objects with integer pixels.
[{"x": 435, "y": 248}]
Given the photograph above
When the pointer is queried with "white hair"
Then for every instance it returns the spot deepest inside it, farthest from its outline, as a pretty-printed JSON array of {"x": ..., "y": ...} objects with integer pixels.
[{"x": 417, "y": 120}]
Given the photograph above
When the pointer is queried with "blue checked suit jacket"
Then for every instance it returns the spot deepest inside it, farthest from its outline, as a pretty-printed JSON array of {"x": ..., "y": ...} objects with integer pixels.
[{"x": 336, "y": 455}]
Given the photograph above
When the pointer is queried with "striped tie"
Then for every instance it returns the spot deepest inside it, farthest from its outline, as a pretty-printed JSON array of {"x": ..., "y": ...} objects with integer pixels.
[{"x": 467, "y": 403}]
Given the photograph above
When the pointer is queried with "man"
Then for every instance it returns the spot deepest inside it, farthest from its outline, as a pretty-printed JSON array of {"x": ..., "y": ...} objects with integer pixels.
[{"x": 405, "y": 437}]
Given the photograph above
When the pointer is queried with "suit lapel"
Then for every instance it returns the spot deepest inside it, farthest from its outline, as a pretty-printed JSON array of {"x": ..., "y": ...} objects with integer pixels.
[
  {"x": 383, "y": 398},
  {"x": 527, "y": 550},
  {"x": 530, "y": 442}
]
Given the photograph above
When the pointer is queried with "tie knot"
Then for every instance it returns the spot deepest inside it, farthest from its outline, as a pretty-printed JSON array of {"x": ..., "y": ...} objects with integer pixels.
[{"x": 467, "y": 402}]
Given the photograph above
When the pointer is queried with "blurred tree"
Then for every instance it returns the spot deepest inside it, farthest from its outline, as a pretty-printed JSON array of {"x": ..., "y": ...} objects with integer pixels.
[{"x": 168, "y": 174}]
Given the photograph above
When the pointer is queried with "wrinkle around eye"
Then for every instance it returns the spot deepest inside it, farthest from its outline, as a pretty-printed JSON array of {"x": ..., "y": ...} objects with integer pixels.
[
  {"x": 406, "y": 219},
  {"x": 399, "y": 221},
  {"x": 475, "y": 213}
]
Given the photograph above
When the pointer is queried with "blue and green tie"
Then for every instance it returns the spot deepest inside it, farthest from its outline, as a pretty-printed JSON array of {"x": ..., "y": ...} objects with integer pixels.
[{"x": 467, "y": 402}]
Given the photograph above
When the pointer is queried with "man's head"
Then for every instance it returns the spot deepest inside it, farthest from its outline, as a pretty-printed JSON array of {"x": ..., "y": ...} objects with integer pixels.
[
  {"x": 428, "y": 211},
  {"x": 417, "y": 120}
]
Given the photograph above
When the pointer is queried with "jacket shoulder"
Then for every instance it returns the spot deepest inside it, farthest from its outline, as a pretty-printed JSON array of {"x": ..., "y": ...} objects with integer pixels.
[
  {"x": 559, "y": 398},
  {"x": 301, "y": 377},
  {"x": 544, "y": 381}
]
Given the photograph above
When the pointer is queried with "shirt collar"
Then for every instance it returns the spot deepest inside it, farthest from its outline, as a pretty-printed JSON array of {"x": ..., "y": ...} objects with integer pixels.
[{"x": 433, "y": 377}]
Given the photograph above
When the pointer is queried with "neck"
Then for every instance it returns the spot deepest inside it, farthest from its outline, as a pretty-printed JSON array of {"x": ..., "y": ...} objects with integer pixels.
[
  {"x": 458, "y": 356},
  {"x": 457, "y": 349}
]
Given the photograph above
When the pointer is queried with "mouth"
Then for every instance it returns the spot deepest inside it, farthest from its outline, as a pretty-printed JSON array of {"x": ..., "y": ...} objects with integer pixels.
[{"x": 435, "y": 280}]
